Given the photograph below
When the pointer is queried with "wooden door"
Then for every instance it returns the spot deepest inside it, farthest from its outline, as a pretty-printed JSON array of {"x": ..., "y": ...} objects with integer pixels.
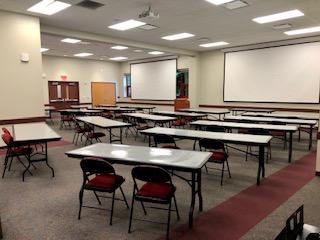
[{"x": 103, "y": 93}]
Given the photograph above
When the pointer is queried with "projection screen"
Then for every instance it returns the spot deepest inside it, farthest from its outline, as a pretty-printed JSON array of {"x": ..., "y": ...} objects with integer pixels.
[
  {"x": 288, "y": 74},
  {"x": 154, "y": 80}
]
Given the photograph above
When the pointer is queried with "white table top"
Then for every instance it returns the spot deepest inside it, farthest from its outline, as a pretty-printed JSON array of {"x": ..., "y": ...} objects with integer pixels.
[
  {"x": 144, "y": 155},
  {"x": 119, "y": 109},
  {"x": 80, "y": 106},
  {"x": 206, "y": 110},
  {"x": 28, "y": 132},
  {"x": 182, "y": 114},
  {"x": 49, "y": 108},
  {"x": 195, "y": 134},
  {"x": 81, "y": 111},
  {"x": 290, "y": 128},
  {"x": 269, "y": 119},
  {"x": 102, "y": 122},
  {"x": 252, "y": 110},
  {"x": 307, "y": 116},
  {"x": 150, "y": 117}
]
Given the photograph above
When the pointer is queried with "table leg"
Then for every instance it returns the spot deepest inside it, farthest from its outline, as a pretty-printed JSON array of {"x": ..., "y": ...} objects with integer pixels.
[
  {"x": 29, "y": 164},
  {"x": 199, "y": 191},
  {"x": 310, "y": 138},
  {"x": 261, "y": 170},
  {"x": 193, "y": 199},
  {"x": 110, "y": 135},
  {"x": 149, "y": 140},
  {"x": 46, "y": 149},
  {"x": 121, "y": 135},
  {"x": 290, "y": 147}
]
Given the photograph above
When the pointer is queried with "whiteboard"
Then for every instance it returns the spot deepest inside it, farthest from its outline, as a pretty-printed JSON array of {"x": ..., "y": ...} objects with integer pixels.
[
  {"x": 154, "y": 80},
  {"x": 288, "y": 74}
]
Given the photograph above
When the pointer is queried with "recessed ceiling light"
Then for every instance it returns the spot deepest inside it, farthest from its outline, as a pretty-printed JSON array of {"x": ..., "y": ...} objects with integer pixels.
[
  {"x": 126, "y": 25},
  {"x": 118, "y": 58},
  {"x": 119, "y": 47},
  {"x": 156, "y": 53},
  {"x": 219, "y": 2},
  {"x": 178, "y": 36},
  {"x": 303, "y": 31},
  {"x": 48, "y": 7},
  {"x": 70, "y": 40},
  {"x": 213, "y": 44},
  {"x": 279, "y": 16},
  {"x": 83, "y": 54},
  {"x": 138, "y": 50},
  {"x": 44, "y": 49}
]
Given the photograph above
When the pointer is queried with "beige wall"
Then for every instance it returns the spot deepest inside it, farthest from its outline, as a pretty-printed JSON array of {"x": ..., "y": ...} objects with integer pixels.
[
  {"x": 211, "y": 73},
  {"x": 83, "y": 71},
  {"x": 21, "y": 96}
]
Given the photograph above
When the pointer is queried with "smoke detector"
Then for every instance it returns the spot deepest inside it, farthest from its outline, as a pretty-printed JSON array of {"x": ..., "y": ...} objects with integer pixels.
[{"x": 149, "y": 14}]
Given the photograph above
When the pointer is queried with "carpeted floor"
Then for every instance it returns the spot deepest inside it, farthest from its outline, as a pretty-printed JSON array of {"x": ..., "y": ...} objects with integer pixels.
[{"x": 46, "y": 208}]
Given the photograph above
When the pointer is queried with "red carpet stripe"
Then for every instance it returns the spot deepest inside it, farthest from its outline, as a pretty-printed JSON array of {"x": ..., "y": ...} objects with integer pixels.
[
  {"x": 237, "y": 215},
  {"x": 50, "y": 144}
]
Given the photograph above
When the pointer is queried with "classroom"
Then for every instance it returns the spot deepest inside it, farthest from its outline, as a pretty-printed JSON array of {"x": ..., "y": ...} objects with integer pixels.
[{"x": 171, "y": 119}]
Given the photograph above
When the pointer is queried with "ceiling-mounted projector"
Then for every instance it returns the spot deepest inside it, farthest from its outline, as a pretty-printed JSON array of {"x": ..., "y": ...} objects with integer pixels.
[{"x": 148, "y": 14}]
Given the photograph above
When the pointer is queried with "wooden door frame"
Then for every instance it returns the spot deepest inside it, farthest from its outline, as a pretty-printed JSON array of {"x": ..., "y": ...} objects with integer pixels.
[{"x": 115, "y": 90}]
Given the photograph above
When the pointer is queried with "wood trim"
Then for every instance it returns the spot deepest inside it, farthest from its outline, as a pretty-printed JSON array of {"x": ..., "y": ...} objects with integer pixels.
[
  {"x": 85, "y": 103},
  {"x": 23, "y": 120},
  {"x": 146, "y": 103},
  {"x": 253, "y": 107}
]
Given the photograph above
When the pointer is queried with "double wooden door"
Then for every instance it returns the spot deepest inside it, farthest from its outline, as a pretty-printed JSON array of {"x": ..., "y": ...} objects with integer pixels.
[{"x": 63, "y": 94}]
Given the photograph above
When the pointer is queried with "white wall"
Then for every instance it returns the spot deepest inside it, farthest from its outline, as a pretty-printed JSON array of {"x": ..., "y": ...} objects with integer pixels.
[
  {"x": 211, "y": 73},
  {"x": 83, "y": 71},
  {"x": 21, "y": 96}
]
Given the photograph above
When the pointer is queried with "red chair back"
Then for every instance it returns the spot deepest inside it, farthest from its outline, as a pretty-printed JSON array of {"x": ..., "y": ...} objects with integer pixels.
[
  {"x": 151, "y": 174},
  {"x": 7, "y": 138},
  {"x": 96, "y": 166}
]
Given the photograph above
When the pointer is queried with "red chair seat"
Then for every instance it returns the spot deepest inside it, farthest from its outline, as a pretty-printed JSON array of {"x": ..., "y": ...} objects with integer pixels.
[
  {"x": 156, "y": 190},
  {"x": 96, "y": 135},
  {"x": 179, "y": 122},
  {"x": 277, "y": 133},
  {"x": 143, "y": 127},
  {"x": 22, "y": 151},
  {"x": 218, "y": 157},
  {"x": 107, "y": 182}
]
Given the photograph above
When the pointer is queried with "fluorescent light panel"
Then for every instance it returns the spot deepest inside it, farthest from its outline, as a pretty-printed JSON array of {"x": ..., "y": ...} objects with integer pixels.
[
  {"x": 70, "y": 40},
  {"x": 156, "y": 53},
  {"x": 44, "y": 49},
  {"x": 219, "y": 2},
  {"x": 213, "y": 44},
  {"x": 48, "y": 7},
  {"x": 279, "y": 16},
  {"x": 118, "y": 58},
  {"x": 303, "y": 31},
  {"x": 119, "y": 47},
  {"x": 178, "y": 36},
  {"x": 126, "y": 25},
  {"x": 83, "y": 54}
]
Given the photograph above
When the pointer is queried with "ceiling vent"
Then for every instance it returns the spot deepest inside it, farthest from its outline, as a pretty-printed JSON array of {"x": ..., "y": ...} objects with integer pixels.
[
  {"x": 148, "y": 27},
  {"x": 235, "y": 5},
  {"x": 282, "y": 26},
  {"x": 90, "y": 4}
]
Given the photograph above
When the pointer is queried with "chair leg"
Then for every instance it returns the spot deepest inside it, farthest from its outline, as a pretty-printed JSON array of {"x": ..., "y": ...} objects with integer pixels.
[
  {"x": 112, "y": 206},
  {"x": 222, "y": 173},
  {"x": 5, "y": 165},
  {"x": 81, "y": 201},
  {"x": 247, "y": 151},
  {"x": 131, "y": 215},
  {"x": 97, "y": 197},
  {"x": 206, "y": 168},
  {"x": 144, "y": 209},
  {"x": 124, "y": 198},
  {"x": 228, "y": 168},
  {"x": 176, "y": 205},
  {"x": 169, "y": 218}
]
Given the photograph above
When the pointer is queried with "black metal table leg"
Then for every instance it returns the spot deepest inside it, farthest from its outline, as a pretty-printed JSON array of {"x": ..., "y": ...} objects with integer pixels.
[
  {"x": 46, "y": 158},
  {"x": 193, "y": 199},
  {"x": 110, "y": 135},
  {"x": 310, "y": 138},
  {"x": 199, "y": 191},
  {"x": 121, "y": 135},
  {"x": 261, "y": 170},
  {"x": 290, "y": 147}
]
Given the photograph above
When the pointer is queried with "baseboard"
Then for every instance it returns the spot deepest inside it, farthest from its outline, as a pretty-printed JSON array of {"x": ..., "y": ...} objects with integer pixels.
[{"x": 23, "y": 120}]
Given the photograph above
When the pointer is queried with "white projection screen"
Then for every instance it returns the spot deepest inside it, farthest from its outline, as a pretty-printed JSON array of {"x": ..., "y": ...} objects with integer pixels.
[
  {"x": 154, "y": 80},
  {"x": 286, "y": 74}
]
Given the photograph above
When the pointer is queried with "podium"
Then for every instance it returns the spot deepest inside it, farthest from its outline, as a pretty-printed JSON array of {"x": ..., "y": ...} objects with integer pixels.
[{"x": 180, "y": 103}]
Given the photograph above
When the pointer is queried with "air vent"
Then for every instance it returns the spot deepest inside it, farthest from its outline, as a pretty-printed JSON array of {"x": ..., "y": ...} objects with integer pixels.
[
  {"x": 282, "y": 26},
  {"x": 90, "y": 4},
  {"x": 148, "y": 27},
  {"x": 235, "y": 5}
]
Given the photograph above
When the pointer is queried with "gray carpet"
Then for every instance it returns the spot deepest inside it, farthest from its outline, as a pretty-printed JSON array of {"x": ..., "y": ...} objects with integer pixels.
[{"x": 46, "y": 208}]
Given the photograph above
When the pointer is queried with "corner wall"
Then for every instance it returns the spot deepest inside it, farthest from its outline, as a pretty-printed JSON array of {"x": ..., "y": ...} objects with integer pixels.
[
  {"x": 21, "y": 96},
  {"x": 83, "y": 71}
]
